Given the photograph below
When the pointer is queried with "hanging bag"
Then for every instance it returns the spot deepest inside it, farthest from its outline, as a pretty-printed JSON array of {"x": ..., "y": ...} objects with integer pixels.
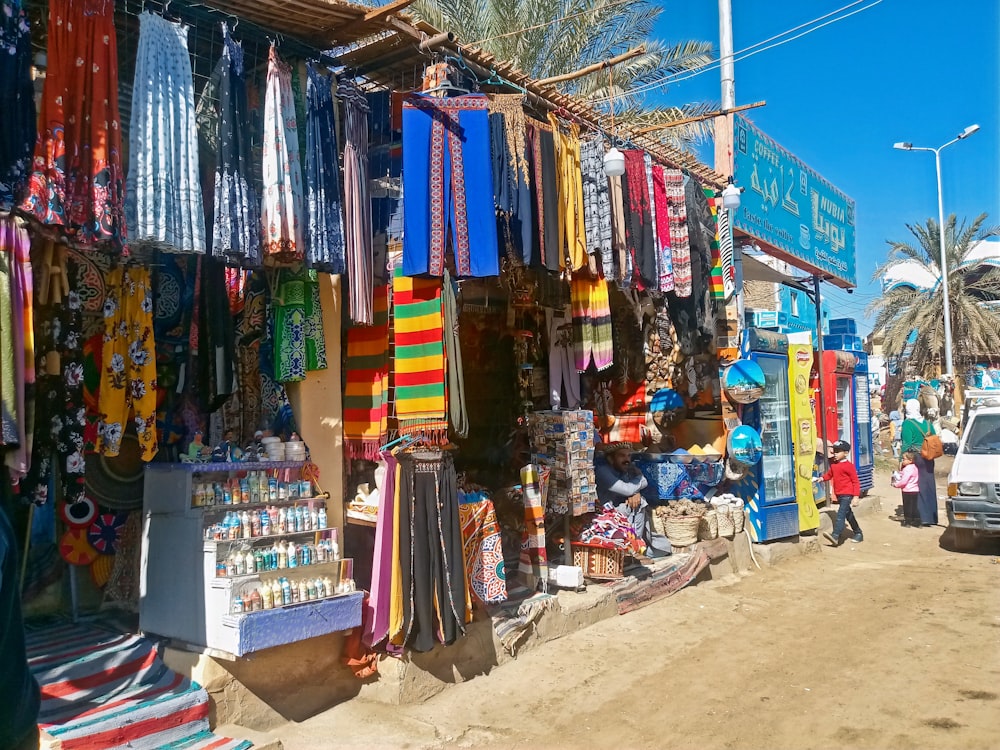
[{"x": 932, "y": 447}]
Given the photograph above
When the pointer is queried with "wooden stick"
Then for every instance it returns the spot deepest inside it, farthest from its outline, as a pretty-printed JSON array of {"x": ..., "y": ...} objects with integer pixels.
[
  {"x": 572, "y": 75},
  {"x": 698, "y": 118}
]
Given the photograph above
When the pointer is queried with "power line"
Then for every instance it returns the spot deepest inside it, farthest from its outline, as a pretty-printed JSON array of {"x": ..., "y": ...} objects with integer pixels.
[
  {"x": 555, "y": 21},
  {"x": 746, "y": 52}
]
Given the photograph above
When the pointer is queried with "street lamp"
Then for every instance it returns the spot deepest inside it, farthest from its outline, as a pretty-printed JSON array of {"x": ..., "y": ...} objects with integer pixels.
[{"x": 905, "y": 146}]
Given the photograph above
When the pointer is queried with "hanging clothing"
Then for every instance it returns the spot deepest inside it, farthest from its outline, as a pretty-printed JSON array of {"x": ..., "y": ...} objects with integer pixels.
[
  {"x": 563, "y": 375},
  {"x": 17, "y": 102},
  {"x": 665, "y": 263},
  {"x": 299, "y": 341},
  {"x": 282, "y": 208},
  {"x": 366, "y": 388},
  {"x": 448, "y": 186},
  {"x": 640, "y": 221},
  {"x": 18, "y": 333},
  {"x": 570, "y": 187},
  {"x": 543, "y": 162},
  {"x": 418, "y": 320},
  {"x": 592, "y": 342},
  {"x": 459, "y": 417},
  {"x": 534, "y": 560},
  {"x": 212, "y": 337},
  {"x": 128, "y": 372},
  {"x": 511, "y": 177},
  {"x": 324, "y": 221},
  {"x": 431, "y": 553},
  {"x": 597, "y": 204},
  {"x": 376, "y": 623},
  {"x": 619, "y": 233},
  {"x": 357, "y": 203},
  {"x": 77, "y": 180},
  {"x": 163, "y": 202},
  {"x": 236, "y": 229},
  {"x": 680, "y": 246}
]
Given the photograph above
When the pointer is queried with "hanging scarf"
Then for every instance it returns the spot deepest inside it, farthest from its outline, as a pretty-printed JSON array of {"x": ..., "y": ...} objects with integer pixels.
[
  {"x": 299, "y": 342},
  {"x": 366, "y": 405},
  {"x": 453, "y": 351},
  {"x": 592, "y": 340},
  {"x": 325, "y": 224},
  {"x": 511, "y": 106},
  {"x": 680, "y": 244},
  {"x": 357, "y": 204}
]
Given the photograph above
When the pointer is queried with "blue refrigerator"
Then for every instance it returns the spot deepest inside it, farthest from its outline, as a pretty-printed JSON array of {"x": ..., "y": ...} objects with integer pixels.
[
  {"x": 769, "y": 487},
  {"x": 863, "y": 443}
]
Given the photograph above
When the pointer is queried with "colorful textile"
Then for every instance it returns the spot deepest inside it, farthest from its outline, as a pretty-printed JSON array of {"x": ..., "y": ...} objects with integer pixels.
[
  {"x": 717, "y": 285},
  {"x": 18, "y": 338},
  {"x": 640, "y": 227},
  {"x": 680, "y": 244},
  {"x": 77, "y": 180},
  {"x": 609, "y": 529},
  {"x": 357, "y": 203},
  {"x": 483, "y": 551},
  {"x": 569, "y": 183},
  {"x": 379, "y": 603},
  {"x": 421, "y": 407},
  {"x": 665, "y": 262},
  {"x": 619, "y": 233},
  {"x": 105, "y": 532},
  {"x": 128, "y": 374},
  {"x": 453, "y": 351},
  {"x": 592, "y": 339},
  {"x": 448, "y": 186},
  {"x": 236, "y": 230},
  {"x": 597, "y": 203},
  {"x": 282, "y": 207},
  {"x": 534, "y": 561},
  {"x": 163, "y": 204},
  {"x": 17, "y": 98},
  {"x": 324, "y": 220},
  {"x": 366, "y": 391},
  {"x": 543, "y": 186},
  {"x": 299, "y": 341}
]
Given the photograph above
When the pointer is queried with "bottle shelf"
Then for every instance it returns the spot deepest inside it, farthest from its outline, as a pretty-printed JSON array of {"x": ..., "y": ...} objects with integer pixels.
[
  {"x": 214, "y": 468},
  {"x": 264, "y": 538},
  {"x": 219, "y": 580},
  {"x": 259, "y": 505}
]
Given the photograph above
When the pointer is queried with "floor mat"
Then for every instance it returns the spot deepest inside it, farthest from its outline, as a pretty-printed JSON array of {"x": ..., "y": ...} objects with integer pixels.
[
  {"x": 103, "y": 689},
  {"x": 665, "y": 578}
]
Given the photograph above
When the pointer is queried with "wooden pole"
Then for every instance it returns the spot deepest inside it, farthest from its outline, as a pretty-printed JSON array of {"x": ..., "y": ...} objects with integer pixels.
[
  {"x": 698, "y": 118},
  {"x": 635, "y": 52},
  {"x": 377, "y": 14}
]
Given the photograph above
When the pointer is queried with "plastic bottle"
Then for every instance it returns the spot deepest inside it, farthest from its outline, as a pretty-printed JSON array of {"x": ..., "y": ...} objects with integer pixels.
[
  {"x": 293, "y": 561},
  {"x": 307, "y": 524},
  {"x": 267, "y": 596},
  {"x": 265, "y": 523},
  {"x": 255, "y": 524},
  {"x": 311, "y": 588},
  {"x": 244, "y": 491},
  {"x": 314, "y": 519},
  {"x": 239, "y": 564},
  {"x": 231, "y": 565},
  {"x": 256, "y": 602},
  {"x": 334, "y": 546},
  {"x": 245, "y": 526},
  {"x": 272, "y": 489},
  {"x": 286, "y": 592},
  {"x": 295, "y": 593},
  {"x": 300, "y": 524},
  {"x": 303, "y": 591},
  {"x": 260, "y": 560},
  {"x": 251, "y": 562},
  {"x": 238, "y": 606},
  {"x": 321, "y": 517},
  {"x": 307, "y": 554},
  {"x": 282, "y": 555},
  {"x": 327, "y": 587}
]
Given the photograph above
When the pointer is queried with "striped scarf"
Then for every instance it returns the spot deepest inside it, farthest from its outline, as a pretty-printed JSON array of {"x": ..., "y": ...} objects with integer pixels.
[
  {"x": 680, "y": 245},
  {"x": 421, "y": 406},
  {"x": 366, "y": 405},
  {"x": 592, "y": 340}
]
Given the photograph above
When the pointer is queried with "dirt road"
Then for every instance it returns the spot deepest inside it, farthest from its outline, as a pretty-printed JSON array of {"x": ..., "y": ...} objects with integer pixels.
[{"x": 891, "y": 643}]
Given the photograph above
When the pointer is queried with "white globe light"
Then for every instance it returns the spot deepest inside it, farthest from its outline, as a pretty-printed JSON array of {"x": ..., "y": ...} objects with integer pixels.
[
  {"x": 731, "y": 197},
  {"x": 614, "y": 163}
]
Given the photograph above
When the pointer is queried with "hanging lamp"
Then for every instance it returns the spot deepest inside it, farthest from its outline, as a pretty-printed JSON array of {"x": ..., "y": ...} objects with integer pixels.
[{"x": 614, "y": 160}]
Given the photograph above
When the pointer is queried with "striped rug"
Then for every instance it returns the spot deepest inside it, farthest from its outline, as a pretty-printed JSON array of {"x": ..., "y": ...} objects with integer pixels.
[{"x": 103, "y": 690}]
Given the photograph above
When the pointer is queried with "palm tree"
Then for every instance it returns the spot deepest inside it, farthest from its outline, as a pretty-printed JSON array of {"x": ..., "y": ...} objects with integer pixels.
[
  {"x": 912, "y": 320},
  {"x": 591, "y": 31}
]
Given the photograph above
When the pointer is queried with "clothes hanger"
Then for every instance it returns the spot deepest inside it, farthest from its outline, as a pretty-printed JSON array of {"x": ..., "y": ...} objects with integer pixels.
[{"x": 495, "y": 80}]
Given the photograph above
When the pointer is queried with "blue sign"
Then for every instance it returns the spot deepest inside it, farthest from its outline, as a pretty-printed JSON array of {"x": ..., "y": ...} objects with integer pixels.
[{"x": 792, "y": 208}]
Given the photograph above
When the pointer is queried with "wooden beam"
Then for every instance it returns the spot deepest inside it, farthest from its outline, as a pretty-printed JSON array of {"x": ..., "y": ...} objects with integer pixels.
[
  {"x": 698, "y": 118},
  {"x": 377, "y": 14},
  {"x": 635, "y": 52}
]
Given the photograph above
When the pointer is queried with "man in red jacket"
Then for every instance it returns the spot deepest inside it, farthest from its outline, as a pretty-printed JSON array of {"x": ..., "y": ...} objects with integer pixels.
[{"x": 847, "y": 489}]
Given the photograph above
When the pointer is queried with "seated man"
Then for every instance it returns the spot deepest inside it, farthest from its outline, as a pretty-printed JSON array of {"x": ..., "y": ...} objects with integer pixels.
[{"x": 619, "y": 484}]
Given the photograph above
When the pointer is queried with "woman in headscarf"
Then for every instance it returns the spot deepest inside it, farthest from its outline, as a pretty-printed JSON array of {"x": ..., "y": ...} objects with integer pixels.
[{"x": 915, "y": 429}]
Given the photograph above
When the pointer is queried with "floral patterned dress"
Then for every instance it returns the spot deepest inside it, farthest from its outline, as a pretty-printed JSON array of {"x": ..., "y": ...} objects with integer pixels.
[{"x": 128, "y": 371}]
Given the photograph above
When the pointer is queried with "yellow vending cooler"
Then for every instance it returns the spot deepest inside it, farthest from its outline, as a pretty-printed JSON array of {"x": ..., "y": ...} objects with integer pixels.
[{"x": 800, "y": 359}]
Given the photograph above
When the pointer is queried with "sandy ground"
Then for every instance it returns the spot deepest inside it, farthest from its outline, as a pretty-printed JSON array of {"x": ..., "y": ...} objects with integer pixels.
[{"x": 891, "y": 643}]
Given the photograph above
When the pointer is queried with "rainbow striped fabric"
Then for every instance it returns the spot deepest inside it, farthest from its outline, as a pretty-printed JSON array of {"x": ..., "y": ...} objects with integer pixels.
[
  {"x": 366, "y": 392},
  {"x": 108, "y": 690},
  {"x": 418, "y": 319}
]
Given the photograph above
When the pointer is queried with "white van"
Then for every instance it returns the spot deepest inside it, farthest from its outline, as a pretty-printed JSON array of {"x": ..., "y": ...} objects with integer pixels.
[{"x": 973, "y": 503}]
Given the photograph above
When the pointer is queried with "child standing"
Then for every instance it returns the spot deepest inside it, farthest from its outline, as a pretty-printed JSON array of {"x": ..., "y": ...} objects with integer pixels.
[
  {"x": 907, "y": 481},
  {"x": 847, "y": 489}
]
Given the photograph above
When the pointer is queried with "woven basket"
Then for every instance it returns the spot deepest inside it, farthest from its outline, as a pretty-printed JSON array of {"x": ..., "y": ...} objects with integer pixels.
[
  {"x": 682, "y": 531},
  {"x": 738, "y": 518},
  {"x": 599, "y": 562},
  {"x": 708, "y": 529},
  {"x": 727, "y": 526},
  {"x": 656, "y": 520}
]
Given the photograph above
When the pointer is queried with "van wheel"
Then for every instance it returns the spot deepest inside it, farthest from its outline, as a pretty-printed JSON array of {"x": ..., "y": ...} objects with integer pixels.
[{"x": 965, "y": 539}]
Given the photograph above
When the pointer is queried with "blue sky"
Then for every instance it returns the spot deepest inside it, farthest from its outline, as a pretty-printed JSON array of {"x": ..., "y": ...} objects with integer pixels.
[{"x": 838, "y": 98}]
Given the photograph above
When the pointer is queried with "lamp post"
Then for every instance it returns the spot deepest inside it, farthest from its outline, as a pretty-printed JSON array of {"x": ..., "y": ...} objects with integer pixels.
[{"x": 905, "y": 146}]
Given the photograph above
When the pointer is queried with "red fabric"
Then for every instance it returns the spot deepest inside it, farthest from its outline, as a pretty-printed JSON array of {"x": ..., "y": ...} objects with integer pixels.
[{"x": 845, "y": 479}]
